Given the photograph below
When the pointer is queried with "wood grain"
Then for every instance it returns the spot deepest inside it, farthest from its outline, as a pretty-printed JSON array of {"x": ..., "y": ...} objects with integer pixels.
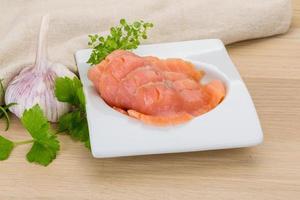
[{"x": 271, "y": 70}]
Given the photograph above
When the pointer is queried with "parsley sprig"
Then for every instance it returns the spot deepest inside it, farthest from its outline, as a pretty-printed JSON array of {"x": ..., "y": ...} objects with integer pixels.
[
  {"x": 124, "y": 36},
  {"x": 73, "y": 123},
  {"x": 44, "y": 142}
]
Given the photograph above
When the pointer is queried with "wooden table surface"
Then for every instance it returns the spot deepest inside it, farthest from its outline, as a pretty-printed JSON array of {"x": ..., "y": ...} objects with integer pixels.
[{"x": 271, "y": 69}]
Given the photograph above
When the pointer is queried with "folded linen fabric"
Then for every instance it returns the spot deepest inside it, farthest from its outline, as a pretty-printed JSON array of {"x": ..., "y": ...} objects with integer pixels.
[{"x": 73, "y": 20}]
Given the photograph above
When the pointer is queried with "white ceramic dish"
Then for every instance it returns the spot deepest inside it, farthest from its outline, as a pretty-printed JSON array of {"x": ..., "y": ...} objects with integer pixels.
[{"x": 234, "y": 123}]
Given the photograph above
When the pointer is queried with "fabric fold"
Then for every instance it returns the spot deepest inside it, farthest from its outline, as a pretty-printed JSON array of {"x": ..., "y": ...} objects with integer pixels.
[{"x": 73, "y": 20}]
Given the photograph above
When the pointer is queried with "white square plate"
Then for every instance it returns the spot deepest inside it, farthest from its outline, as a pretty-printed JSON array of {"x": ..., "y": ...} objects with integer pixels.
[{"x": 234, "y": 123}]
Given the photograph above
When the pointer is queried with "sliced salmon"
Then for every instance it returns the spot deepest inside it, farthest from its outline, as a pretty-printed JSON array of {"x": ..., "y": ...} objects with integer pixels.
[
  {"x": 154, "y": 90},
  {"x": 176, "y": 65},
  {"x": 175, "y": 119},
  {"x": 120, "y": 110}
]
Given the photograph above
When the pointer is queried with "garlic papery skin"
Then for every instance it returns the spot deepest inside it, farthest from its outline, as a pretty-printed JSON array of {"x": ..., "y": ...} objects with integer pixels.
[
  {"x": 30, "y": 88},
  {"x": 35, "y": 84}
]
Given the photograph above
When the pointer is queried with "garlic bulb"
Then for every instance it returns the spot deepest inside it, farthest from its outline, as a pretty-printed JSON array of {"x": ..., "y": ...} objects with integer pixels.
[{"x": 35, "y": 84}]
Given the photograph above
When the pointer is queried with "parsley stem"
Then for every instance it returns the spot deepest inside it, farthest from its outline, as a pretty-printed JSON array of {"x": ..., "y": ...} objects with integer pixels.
[{"x": 23, "y": 142}]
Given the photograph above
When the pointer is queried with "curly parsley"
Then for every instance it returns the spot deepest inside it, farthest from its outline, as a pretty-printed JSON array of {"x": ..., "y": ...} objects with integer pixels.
[{"x": 124, "y": 36}]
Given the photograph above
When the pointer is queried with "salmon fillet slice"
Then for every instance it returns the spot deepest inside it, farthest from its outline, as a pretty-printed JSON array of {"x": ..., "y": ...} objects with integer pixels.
[
  {"x": 161, "y": 120},
  {"x": 176, "y": 65},
  {"x": 156, "y": 91}
]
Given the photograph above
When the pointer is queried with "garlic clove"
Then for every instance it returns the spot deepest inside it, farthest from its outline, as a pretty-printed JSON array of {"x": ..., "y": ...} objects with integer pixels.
[{"x": 35, "y": 84}]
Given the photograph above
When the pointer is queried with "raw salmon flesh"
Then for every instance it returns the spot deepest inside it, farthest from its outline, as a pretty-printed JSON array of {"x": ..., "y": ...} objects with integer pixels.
[{"x": 155, "y": 91}]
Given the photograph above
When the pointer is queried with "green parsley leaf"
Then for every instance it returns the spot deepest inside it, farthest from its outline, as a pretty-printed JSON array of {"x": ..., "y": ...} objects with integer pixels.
[
  {"x": 66, "y": 90},
  {"x": 46, "y": 145},
  {"x": 73, "y": 123},
  {"x": 6, "y": 146},
  {"x": 124, "y": 36},
  {"x": 81, "y": 98},
  {"x": 35, "y": 122},
  {"x": 43, "y": 151},
  {"x": 65, "y": 122}
]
